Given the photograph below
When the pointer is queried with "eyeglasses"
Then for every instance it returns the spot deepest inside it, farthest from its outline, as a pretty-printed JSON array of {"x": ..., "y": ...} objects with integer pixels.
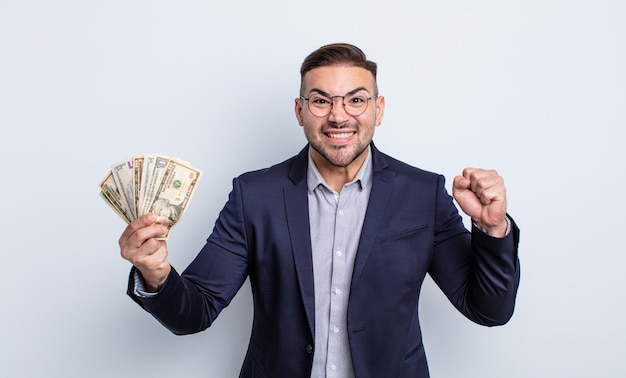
[{"x": 354, "y": 104}]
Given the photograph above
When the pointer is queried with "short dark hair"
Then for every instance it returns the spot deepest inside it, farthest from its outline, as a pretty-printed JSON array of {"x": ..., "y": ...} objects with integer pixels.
[{"x": 337, "y": 54}]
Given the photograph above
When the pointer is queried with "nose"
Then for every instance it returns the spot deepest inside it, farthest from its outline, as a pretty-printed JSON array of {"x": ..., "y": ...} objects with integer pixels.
[{"x": 338, "y": 112}]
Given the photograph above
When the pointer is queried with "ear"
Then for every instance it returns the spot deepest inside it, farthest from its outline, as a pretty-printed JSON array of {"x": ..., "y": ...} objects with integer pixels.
[
  {"x": 380, "y": 109},
  {"x": 299, "y": 107}
]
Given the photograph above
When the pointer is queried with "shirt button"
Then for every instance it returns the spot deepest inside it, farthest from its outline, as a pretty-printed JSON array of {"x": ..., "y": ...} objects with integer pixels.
[
  {"x": 340, "y": 212},
  {"x": 338, "y": 253},
  {"x": 337, "y": 291},
  {"x": 335, "y": 329},
  {"x": 333, "y": 367}
]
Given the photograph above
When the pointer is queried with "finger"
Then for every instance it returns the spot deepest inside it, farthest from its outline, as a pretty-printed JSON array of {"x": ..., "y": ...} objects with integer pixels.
[
  {"x": 138, "y": 239},
  {"x": 142, "y": 245},
  {"x": 145, "y": 235},
  {"x": 485, "y": 197},
  {"x": 481, "y": 179},
  {"x": 468, "y": 172},
  {"x": 471, "y": 175},
  {"x": 461, "y": 182},
  {"x": 493, "y": 193},
  {"x": 137, "y": 224},
  {"x": 494, "y": 184}
]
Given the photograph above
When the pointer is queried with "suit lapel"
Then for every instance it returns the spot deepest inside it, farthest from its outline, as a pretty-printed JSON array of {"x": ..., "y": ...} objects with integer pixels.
[
  {"x": 381, "y": 189},
  {"x": 297, "y": 207}
]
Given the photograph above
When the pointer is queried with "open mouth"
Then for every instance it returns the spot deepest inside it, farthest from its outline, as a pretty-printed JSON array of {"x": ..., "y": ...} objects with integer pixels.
[{"x": 343, "y": 135}]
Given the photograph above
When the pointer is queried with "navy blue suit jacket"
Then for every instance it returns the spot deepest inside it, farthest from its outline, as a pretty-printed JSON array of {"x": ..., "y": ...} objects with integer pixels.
[{"x": 411, "y": 228}]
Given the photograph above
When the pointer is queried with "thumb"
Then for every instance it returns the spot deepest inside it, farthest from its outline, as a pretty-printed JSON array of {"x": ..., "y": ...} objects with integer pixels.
[
  {"x": 146, "y": 220},
  {"x": 460, "y": 183}
]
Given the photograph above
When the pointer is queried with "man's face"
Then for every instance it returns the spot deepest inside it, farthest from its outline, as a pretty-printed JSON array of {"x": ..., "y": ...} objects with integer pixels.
[{"x": 339, "y": 139}]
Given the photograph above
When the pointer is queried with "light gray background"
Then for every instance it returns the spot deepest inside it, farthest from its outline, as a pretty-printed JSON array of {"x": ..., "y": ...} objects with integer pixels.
[{"x": 535, "y": 89}]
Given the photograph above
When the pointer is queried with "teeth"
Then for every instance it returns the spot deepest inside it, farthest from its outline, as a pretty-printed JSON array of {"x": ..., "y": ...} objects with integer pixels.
[{"x": 340, "y": 135}]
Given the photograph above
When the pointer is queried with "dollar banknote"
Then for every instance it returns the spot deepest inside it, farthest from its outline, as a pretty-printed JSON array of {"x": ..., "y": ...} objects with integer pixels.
[
  {"x": 110, "y": 193},
  {"x": 150, "y": 183},
  {"x": 123, "y": 176},
  {"x": 153, "y": 175}
]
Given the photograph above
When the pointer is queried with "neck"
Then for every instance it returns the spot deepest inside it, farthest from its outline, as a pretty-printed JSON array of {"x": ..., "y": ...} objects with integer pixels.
[{"x": 336, "y": 177}]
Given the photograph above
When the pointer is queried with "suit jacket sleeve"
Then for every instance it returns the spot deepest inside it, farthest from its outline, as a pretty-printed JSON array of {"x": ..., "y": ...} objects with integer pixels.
[
  {"x": 479, "y": 274},
  {"x": 190, "y": 302}
]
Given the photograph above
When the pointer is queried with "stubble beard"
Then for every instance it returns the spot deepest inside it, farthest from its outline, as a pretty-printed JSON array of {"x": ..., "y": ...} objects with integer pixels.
[{"x": 339, "y": 156}]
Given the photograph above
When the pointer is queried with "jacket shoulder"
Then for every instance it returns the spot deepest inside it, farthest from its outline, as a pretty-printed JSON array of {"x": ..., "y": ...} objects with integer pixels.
[
  {"x": 403, "y": 169},
  {"x": 277, "y": 174}
]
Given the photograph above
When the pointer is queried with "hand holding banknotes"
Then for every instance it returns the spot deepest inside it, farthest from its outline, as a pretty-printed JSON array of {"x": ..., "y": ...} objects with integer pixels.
[
  {"x": 150, "y": 193},
  {"x": 140, "y": 245}
]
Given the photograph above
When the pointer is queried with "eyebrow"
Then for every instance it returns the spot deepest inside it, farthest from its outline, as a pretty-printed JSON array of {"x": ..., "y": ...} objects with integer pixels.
[{"x": 323, "y": 93}]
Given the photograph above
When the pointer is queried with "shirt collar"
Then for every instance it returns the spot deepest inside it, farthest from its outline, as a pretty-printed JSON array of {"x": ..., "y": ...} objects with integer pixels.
[{"x": 363, "y": 176}]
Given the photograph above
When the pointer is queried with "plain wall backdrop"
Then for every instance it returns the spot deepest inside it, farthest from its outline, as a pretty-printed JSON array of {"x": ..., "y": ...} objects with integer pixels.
[{"x": 533, "y": 88}]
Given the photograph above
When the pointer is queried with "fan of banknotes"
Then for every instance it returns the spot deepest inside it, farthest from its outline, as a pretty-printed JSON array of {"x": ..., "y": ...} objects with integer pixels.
[{"x": 154, "y": 183}]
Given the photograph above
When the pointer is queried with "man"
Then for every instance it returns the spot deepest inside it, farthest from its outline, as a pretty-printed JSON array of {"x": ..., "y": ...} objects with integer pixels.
[{"x": 336, "y": 242}]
